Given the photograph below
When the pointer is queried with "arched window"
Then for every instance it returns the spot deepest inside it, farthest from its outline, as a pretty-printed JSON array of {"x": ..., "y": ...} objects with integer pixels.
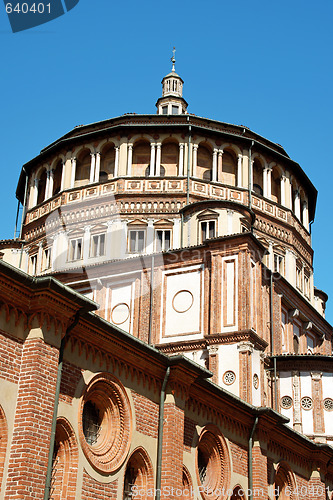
[
  {"x": 284, "y": 484},
  {"x": 57, "y": 174},
  {"x": 257, "y": 177},
  {"x": 238, "y": 494},
  {"x": 229, "y": 168},
  {"x": 138, "y": 476},
  {"x": 169, "y": 159},
  {"x": 204, "y": 162},
  {"x": 141, "y": 159},
  {"x": 41, "y": 187},
  {"x": 108, "y": 156},
  {"x": 82, "y": 172},
  {"x": 65, "y": 462},
  {"x": 276, "y": 186}
]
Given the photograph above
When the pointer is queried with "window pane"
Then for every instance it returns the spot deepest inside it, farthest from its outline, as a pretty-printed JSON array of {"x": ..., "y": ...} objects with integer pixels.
[
  {"x": 211, "y": 229},
  {"x": 132, "y": 241},
  {"x": 167, "y": 238},
  {"x": 141, "y": 238},
  {"x": 203, "y": 230},
  {"x": 159, "y": 242},
  {"x": 102, "y": 245},
  {"x": 165, "y": 110},
  {"x": 175, "y": 110}
]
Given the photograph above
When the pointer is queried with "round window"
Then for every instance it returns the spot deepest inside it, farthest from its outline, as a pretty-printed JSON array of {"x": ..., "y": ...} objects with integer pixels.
[
  {"x": 229, "y": 377},
  {"x": 328, "y": 404},
  {"x": 307, "y": 403},
  {"x": 286, "y": 402},
  {"x": 213, "y": 463},
  {"x": 105, "y": 423}
]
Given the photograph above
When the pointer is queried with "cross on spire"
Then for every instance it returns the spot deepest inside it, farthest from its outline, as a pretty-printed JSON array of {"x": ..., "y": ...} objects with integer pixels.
[{"x": 173, "y": 59}]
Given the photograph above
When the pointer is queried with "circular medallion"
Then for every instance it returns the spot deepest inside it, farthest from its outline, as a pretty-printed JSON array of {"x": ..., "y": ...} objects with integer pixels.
[
  {"x": 306, "y": 403},
  {"x": 286, "y": 402},
  {"x": 182, "y": 301},
  {"x": 255, "y": 381},
  {"x": 328, "y": 404},
  {"x": 120, "y": 314},
  {"x": 229, "y": 377}
]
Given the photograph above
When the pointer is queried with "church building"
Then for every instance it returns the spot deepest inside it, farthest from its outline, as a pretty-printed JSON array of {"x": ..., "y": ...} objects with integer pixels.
[{"x": 161, "y": 335}]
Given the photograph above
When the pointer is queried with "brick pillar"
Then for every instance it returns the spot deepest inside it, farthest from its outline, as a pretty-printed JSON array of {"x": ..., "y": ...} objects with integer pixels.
[
  {"x": 32, "y": 423},
  {"x": 317, "y": 486},
  {"x": 318, "y": 410},
  {"x": 172, "y": 455},
  {"x": 213, "y": 362},
  {"x": 259, "y": 455},
  {"x": 245, "y": 371}
]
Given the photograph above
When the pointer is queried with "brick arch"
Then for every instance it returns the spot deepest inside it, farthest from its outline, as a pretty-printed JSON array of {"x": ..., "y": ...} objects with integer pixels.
[
  {"x": 65, "y": 462},
  {"x": 138, "y": 475},
  {"x": 284, "y": 483},
  {"x": 213, "y": 455},
  {"x": 238, "y": 493},
  {"x": 3, "y": 441},
  {"x": 187, "y": 485}
]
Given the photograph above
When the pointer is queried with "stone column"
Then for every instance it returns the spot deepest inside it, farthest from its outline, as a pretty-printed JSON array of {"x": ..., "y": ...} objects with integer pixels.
[
  {"x": 116, "y": 161},
  {"x": 214, "y": 166},
  {"x": 98, "y": 166},
  {"x": 150, "y": 237},
  {"x": 283, "y": 190},
  {"x": 219, "y": 165},
  {"x": 239, "y": 171},
  {"x": 289, "y": 203},
  {"x": 181, "y": 160},
  {"x": 129, "y": 159},
  {"x": 35, "y": 196},
  {"x": 305, "y": 213},
  {"x": 158, "y": 159},
  {"x": 230, "y": 216},
  {"x": 270, "y": 256},
  {"x": 297, "y": 204},
  {"x": 194, "y": 159},
  {"x": 51, "y": 183},
  {"x": 63, "y": 176},
  {"x": 92, "y": 168},
  {"x": 152, "y": 160},
  {"x": 269, "y": 182},
  {"x": 265, "y": 182},
  {"x": 73, "y": 172}
]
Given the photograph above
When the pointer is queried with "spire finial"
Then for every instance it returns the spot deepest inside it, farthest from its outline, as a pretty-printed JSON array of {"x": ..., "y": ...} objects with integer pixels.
[{"x": 173, "y": 59}]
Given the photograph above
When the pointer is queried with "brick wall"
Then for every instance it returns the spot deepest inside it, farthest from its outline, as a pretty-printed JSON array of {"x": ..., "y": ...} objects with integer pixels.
[
  {"x": 71, "y": 376},
  {"x": 239, "y": 458},
  {"x": 3, "y": 442},
  {"x": 172, "y": 455},
  {"x": 32, "y": 422},
  {"x": 189, "y": 430},
  {"x": 259, "y": 473},
  {"x": 146, "y": 413},
  {"x": 10, "y": 357},
  {"x": 92, "y": 489}
]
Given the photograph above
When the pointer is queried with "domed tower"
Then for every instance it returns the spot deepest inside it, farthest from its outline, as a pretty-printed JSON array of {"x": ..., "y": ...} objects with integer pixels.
[{"x": 172, "y": 101}]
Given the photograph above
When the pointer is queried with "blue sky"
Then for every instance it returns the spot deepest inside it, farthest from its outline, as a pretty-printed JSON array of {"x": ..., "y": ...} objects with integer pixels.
[{"x": 263, "y": 64}]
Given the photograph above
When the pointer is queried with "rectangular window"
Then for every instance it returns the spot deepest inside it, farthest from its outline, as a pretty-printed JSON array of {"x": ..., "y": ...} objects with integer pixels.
[
  {"x": 278, "y": 264},
  {"x": 47, "y": 259},
  {"x": 299, "y": 278},
  {"x": 207, "y": 229},
  {"x": 164, "y": 110},
  {"x": 175, "y": 110},
  {"x": 136, "y": 241},
  {"x": 310, "y": 343},
  {"x": 163, "y": 240},
  {"x": 306, "y": 285},
  {"x": 75, "y": 249},
  {"x": 97, "y": 245},
  {"x": 33, "y": 264}
]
